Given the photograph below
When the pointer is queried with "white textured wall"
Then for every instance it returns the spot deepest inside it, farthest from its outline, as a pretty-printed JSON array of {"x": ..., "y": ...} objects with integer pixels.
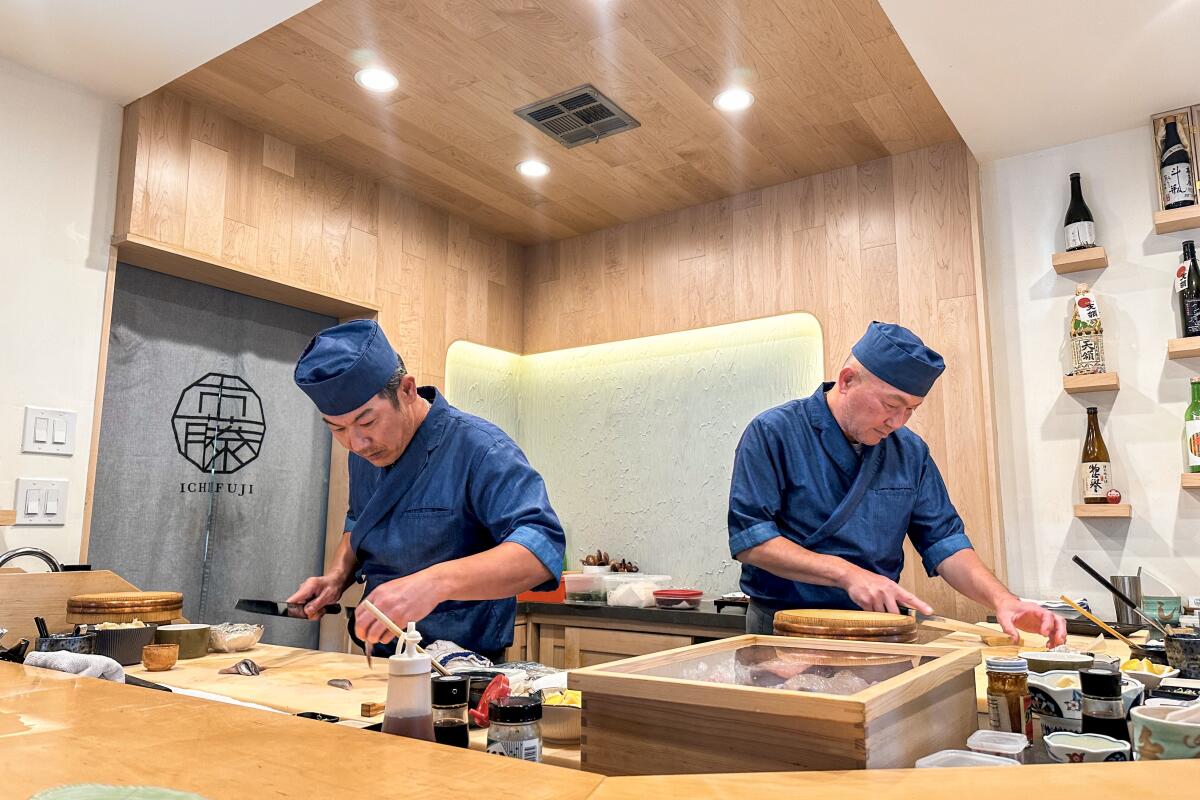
[
  {"x": 1040, "y": 427},
  {"x": 58, "y": 165},
  {"x": 636, "y": 439}
]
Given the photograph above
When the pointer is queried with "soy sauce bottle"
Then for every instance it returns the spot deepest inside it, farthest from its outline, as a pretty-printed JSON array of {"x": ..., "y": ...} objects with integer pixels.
[
  {"x": 1102, "y": 708},
  {"x": 450, "y": 723}
]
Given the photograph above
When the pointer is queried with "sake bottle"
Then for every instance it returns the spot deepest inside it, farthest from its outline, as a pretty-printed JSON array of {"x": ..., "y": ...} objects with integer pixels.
[
  {"x": 1079, "y": 226},
  {"x": 1191, "y": 429},
  {"x": 1175, "y": 168},
  {"x": 1187, "y": 286},
  {"x": 1095, "y": 469}
]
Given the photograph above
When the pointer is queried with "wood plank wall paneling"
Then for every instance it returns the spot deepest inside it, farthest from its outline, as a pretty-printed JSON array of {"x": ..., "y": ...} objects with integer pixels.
[
  {"x": 889, "y": 239},
  {"x": 194, "y": 179}
]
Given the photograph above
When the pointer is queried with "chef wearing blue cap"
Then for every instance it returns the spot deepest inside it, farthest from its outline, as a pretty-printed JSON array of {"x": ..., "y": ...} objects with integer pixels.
[
  {"x": 826, "y": 488},
  {"x": 447, "y": 519}
]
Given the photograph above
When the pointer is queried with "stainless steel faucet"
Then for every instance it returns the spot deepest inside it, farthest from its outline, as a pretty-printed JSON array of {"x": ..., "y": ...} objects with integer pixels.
[{"x": 31, "y": 551}]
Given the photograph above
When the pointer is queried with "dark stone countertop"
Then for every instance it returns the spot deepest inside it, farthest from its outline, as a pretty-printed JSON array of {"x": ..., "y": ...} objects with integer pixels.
[{"x": 706, "y": 616}]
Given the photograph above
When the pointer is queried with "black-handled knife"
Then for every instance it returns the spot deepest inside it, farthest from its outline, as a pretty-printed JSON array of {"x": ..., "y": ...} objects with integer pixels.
[{"x": 272, "y": 608}]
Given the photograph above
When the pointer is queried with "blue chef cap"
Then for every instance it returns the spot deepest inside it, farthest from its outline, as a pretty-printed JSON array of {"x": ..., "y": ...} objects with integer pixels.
[
  {"x": 345, "y": 366},
  {"x": 896, "y": 355}
]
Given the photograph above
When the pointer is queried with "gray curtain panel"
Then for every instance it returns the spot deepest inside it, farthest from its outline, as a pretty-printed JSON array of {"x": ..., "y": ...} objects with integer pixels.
[{"x": 213, "y": 470}]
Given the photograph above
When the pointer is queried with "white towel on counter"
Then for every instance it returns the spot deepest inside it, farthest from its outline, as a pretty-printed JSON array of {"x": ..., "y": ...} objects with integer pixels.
[{"x": 87, "y": 665}]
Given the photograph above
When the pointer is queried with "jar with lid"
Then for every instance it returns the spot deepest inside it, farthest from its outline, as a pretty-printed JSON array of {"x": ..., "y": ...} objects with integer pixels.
[
  {"x": 515, "y": 728},
  {"x": 450, "y": 723},
  {"x": 1101, "y": 707},
  {"x": 1009, "y": 702}
]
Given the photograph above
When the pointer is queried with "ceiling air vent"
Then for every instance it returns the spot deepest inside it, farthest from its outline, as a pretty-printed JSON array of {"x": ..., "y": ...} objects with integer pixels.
[{"x": 577, "y": 117}]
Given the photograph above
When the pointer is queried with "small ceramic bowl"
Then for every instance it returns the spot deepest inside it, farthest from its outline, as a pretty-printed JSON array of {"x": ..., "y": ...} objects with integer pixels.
[
  {"x": 1149, "y": 679},
  {"x": 1157, "y": 739},
  {"x": 1052, "y": 700},
  {"x": 561, "y": 724},
  {"x": 1072, "y": 748},
  {"x": 1047, "y": 661},
  {"x": 1155, "y": 652},
  {"x": 191, "y": 637},
  {"x": 159, "y": 657},
  {"x": 124, "y": 645},
  {"x": 1183, "y": 653},
  {"x": 69, "y": 642},
  {"x": 1049, "y": 725}
]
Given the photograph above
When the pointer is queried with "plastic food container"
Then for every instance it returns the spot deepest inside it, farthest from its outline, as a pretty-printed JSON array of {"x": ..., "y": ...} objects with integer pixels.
[
  {"x": 963, "y": 758},
  {"x": 678, "y": 599},
  {"x": 633, "y": 589},
  {"x": 999, "y": 743},
  {"x": 585, "y": 589}
]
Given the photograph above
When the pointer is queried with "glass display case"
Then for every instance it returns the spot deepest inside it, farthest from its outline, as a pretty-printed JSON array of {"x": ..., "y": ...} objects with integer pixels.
[{"x": 768, "y": 703}]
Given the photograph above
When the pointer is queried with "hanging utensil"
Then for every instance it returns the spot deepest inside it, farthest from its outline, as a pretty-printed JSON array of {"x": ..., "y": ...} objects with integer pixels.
[{"x": 1117, "y": 593}]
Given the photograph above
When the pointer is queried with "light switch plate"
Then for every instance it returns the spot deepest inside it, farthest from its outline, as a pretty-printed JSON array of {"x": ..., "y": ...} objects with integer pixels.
[
  {"x": 50, "y": 494},
  {"x": 49, "y": 430}
]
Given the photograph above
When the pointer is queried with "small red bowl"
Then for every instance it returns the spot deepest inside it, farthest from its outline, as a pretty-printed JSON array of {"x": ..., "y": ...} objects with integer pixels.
[{"x": 678, "y": 599}]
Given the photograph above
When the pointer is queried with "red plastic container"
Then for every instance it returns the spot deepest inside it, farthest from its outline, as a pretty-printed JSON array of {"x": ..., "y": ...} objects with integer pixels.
[{"x": 678, "y": 599}]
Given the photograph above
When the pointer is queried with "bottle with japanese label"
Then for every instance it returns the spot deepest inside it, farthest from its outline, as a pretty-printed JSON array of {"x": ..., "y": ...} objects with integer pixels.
[
  {"x": 1191, "y": 429},
  {"x": 1086, "y": 334},
  {"x": 1080, "y": 227},
  {"x": 1187, "y": 286},
  {"x": 1175, "y": 168},
  {"x": 1095, "y": 469}
]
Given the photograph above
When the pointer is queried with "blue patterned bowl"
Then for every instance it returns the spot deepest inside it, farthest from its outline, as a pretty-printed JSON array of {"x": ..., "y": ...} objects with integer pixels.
[{"x": 1183, "y": 653}]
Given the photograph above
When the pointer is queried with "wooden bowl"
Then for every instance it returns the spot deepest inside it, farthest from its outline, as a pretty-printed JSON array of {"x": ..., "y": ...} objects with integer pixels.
[{"x": 159, "y": 657}]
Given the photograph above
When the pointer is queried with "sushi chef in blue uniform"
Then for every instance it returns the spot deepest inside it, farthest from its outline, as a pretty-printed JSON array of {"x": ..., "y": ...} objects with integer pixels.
[
  {"x": 447, "y": 519},
  {"x": 826, "y": 488}
]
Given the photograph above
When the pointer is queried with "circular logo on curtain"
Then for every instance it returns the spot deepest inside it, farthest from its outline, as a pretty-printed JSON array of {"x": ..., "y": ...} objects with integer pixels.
[{"x": 219, "y": 424}]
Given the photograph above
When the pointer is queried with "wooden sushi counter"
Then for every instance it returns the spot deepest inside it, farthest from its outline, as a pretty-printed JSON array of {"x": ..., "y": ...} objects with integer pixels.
[{"x": 57, "y": 729}]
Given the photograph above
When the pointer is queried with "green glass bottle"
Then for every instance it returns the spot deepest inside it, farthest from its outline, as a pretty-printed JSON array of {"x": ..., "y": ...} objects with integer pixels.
[{"x": 1191, "y": 429}]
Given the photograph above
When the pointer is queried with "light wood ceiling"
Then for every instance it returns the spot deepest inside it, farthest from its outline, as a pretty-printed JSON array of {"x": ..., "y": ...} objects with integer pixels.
[{"x": 834, "y": 86}]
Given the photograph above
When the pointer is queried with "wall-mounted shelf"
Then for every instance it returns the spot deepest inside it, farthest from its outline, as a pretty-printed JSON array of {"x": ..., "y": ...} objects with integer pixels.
[
  {"x": 1188, "y": 480},
  {"x": 1104, "y": 510},
  {"x": 1079, "y": 260},
  {"x": 1184, "y": 348},
  {"x": 1099, "y": 382},
  {"x": 1177, "y": 219},
  {"x": 8, "y": 516}
]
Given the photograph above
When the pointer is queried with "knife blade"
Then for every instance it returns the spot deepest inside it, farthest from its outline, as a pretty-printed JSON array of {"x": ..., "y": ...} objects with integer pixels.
[{"x": 273, "y": 608}]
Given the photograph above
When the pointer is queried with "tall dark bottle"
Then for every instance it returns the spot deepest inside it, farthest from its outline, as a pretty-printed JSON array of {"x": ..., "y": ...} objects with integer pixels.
[
  {"x": 1080, "y": 227},
  {"x": 1095, "y": 469},
  {"x": 1187, "y": 286},
  {"x": 1175, "y": 167}
]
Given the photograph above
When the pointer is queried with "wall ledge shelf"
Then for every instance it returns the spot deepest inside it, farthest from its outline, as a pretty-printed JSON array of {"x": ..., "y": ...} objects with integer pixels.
[
  {"x": 8, "y": 516},
  {"x": 1184, "y": 348},
  {"x": 1177, "y": 219},
  {"x": 1099, "y": 382},
  {"x": 190, "y": 265},
  {"x": 1079, "y": 260},
  {"x": 1103, "y": 510},
  {"x": 1187, "y": 480}
]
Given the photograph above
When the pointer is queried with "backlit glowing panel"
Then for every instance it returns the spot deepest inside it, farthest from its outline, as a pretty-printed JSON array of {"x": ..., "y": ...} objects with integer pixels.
[{"x": 636, "y": 439}]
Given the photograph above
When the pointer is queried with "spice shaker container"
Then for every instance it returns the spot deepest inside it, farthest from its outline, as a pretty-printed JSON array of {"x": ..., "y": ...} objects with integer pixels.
[
  {"x": 450, "y": 723},
  {"x": 408, "y": 708},
  {"x": 515, "y": 728},
  {"x": 1009, "y": 702},
  {"x": 1102, "y": 708}
]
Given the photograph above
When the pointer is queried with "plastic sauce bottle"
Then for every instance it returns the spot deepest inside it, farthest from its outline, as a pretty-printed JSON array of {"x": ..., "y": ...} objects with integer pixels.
[
  {"x": 408, "y": 710},
  {"x": 1008, "y": 698}
]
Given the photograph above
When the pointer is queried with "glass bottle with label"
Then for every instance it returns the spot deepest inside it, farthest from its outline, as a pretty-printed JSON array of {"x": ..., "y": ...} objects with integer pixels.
[
  {"x": 1187, "y": 286},
  {"x": 1008, "y": 699},
  {"x": 1079, "y": 226},
  {"x": 515, "y": 728},
  {"x": 1095, "y": 469},
  {"x": 1101, "y": 707},
  {"x": 1191, "y": 429},
  {"x": 1175, "y": 168},
  {"x": 1086, "y": 334}
]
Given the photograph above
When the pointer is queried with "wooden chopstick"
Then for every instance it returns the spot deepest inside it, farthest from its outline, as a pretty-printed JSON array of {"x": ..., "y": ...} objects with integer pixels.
[
  {"x": 1104, "y": 626},
  {"x": 398, "y": 631}
]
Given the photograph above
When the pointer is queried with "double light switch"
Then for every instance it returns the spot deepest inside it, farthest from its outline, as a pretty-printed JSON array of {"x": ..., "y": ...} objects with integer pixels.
[
  {"x": 41, "y": 502},
  {"x": 48, "y": 430}
]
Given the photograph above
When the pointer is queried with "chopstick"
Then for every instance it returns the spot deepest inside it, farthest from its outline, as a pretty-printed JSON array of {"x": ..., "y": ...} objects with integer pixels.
[
  {"x": 398, "y": 631},
  {"x": 1097, "y": 621},
  {"x": 1117, "y": 593}
]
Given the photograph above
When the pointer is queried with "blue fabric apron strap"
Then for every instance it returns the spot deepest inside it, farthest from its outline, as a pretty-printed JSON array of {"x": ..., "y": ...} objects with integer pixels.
[{"x": 872, "y": 458}]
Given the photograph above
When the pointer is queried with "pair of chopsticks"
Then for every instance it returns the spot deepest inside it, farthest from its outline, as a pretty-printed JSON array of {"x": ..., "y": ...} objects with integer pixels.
[
  {"x": 1117, "y": 593},
  {"x": 1104, "y": 626},
  {"x": 395, "y": 629}
]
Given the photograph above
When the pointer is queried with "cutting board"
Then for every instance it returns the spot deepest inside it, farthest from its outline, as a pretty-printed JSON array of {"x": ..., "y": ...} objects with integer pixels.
[{"x": 294, "y": 681}]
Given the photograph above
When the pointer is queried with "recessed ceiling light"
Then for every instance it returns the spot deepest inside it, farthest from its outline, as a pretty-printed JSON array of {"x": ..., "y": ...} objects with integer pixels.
[
  {"x": 733, "y": 100},
  {"x": 376, "y": 79},
  {"x": 533, "y": 168}
]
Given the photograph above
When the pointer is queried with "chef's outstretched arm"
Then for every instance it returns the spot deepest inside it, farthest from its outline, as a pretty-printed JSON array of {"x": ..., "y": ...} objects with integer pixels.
[{"x": 970, "y": 577}]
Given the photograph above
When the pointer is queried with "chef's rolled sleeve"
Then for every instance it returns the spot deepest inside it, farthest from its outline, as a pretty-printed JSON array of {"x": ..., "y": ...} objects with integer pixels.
[
  {"x": 935, "y": 528},
  {"x": 509, "y": 497},
  {"x": 755, "y": 492}
]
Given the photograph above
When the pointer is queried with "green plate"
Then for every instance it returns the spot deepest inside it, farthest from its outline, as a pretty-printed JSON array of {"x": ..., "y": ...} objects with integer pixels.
[{"x": 95, "y": 791}]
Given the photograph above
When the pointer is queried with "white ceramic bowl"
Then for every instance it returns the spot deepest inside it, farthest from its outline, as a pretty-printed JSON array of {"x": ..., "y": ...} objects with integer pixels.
[
  {"x": 561, "y": 724},
  {"x": 1073, "y": 748},
  {"x": 1149, "y": 679},
  {"x": 1052, "y": 700}
]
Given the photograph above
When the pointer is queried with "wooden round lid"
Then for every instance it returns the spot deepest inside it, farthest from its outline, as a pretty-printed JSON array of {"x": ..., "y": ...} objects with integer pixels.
[
  {"x": 125, "y": 600},
  {"x": 833, "y": 620}
]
